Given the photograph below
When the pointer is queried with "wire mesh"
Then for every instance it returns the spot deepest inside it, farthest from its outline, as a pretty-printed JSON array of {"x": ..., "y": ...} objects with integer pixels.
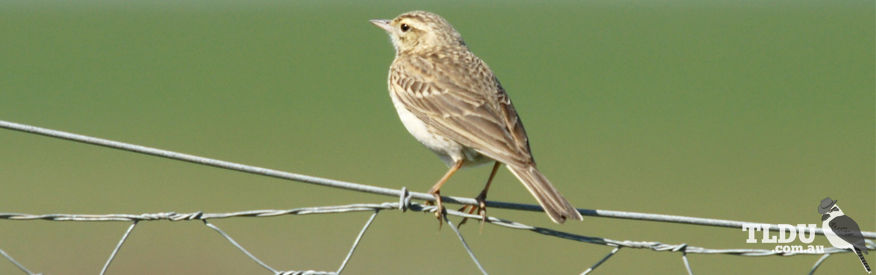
[{"x": 403, "y": 204}]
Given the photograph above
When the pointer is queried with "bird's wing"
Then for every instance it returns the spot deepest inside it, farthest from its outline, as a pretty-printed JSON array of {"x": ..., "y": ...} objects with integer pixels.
[
  {"x": 847, "y": 229},
  {"x": 458, "y": 97}
]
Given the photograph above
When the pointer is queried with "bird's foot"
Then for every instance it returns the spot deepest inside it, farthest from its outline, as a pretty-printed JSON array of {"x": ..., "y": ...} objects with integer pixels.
[
  {"x": 440, "y": 211},
  {"x": 481, "y": 208}
]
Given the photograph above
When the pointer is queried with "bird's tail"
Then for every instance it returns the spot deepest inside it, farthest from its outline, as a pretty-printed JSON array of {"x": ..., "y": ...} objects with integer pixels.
[
  {"x": 863, "y": 261},
  {"x": 554, "y": 204}
]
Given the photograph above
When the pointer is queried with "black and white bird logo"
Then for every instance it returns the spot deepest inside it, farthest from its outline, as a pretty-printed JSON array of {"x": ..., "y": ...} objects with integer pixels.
[{"x": 842, "y": 231}]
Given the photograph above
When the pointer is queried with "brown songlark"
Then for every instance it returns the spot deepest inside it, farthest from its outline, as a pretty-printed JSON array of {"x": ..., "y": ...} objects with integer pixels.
[{"x": 450, "y": 101}]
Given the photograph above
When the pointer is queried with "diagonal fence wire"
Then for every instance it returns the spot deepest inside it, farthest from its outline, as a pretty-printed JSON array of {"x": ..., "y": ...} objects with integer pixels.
[
  {"x": 404, "y": 204},
  {"x": 818, "y": 263},
  {"x": 686, "y": 262},
  {"x": 356, "y": 242},
  {"x": 465, "y": 245},
  {"x": 597, "y": 264},
  {"x": 118, "y": 247},
  {"x": 233, "y": 242},
  {"x": 16, "y": 263}
]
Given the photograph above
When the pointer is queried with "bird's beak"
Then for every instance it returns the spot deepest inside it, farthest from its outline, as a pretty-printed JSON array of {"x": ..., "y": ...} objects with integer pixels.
[
  {"x": 382, "y": 23},
  {"x": 824, "y": 217}
]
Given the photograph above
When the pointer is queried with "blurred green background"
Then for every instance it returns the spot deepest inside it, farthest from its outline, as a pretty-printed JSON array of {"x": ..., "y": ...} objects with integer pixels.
[{"x": 742, "y": 110}]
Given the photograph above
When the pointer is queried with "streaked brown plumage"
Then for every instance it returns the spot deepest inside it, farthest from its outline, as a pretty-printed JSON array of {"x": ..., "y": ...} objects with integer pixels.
[{"x": 450, "y": 101}]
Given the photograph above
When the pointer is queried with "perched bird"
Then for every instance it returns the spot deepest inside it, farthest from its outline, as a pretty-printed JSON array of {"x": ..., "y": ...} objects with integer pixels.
[
  {"x": 841, "y": 230},
  {"x": 450, "y": 101}
]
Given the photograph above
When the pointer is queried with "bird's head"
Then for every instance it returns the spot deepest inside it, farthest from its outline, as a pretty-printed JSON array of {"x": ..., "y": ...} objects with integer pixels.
[
  {"x": 419, "y": 31},
  {"x": 834, "y": 212}
]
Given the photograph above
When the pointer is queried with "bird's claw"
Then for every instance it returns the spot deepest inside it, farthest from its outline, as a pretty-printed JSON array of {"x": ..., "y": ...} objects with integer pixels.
[
  {"x": 439, "y": 208},
  {"x": 481, "y": 208}
]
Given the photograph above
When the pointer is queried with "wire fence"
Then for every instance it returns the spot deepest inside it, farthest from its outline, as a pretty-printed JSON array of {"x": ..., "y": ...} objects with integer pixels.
[{"x": 404, "y": 203}]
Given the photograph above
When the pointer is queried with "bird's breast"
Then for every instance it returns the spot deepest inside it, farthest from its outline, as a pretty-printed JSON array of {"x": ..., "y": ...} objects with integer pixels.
[{"x": 448, "y": 150}]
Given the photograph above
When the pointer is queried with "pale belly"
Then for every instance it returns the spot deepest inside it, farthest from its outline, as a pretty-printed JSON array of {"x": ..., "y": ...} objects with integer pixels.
[
  {"x": 448, "y": 150},
  {"x": 834, "y": 240}
]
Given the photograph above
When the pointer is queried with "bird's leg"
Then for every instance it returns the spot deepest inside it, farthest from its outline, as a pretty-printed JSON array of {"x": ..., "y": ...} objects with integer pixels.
[
  {"x": 436, "y": 189},
  {"x": 482, "y": 198}
]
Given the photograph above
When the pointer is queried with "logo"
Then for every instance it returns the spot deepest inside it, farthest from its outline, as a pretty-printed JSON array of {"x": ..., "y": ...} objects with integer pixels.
[
  {"x": 787, "y": 234},
  {"x": 841, "y": 230}
]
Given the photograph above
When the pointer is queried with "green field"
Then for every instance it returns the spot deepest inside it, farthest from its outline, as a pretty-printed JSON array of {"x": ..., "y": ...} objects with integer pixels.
[{"x": 742, "y": 110}]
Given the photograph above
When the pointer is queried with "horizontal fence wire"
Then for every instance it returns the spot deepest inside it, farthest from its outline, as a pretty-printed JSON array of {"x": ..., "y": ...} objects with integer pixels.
[
  {"x": 403, "y": 204},
  {"x": 683, "y": 248},
  {"x": 369, "y": 207},
  {"x": 375, "y": 189}
]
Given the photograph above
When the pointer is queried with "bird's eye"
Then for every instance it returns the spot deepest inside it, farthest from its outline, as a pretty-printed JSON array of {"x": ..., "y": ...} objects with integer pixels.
[{"x": 405, "y": 27}]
